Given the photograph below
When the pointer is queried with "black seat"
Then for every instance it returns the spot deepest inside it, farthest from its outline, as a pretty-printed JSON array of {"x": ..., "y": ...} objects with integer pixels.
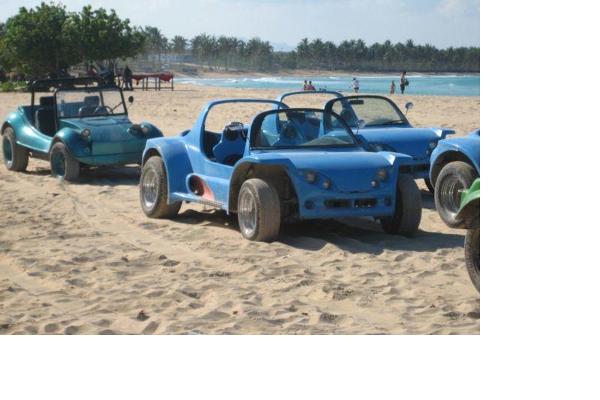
[
  {"x": 44, "y": 116},
  {"x": 90, "y": 104}
]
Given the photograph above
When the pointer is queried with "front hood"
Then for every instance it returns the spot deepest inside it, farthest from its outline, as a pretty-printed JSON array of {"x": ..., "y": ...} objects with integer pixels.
[
  {"x": 104, "y": 129},
  {"x": 414, "y": 142},
  {"x": 351, "y": 171}
]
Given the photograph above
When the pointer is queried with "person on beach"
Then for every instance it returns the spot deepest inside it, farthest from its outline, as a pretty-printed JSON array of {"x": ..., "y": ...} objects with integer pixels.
[
  {"x": 355, "y": 85},
  {"x": 393, "y": 88},
  {"x": 128, "y": 78},
  {"x": 310, "y": 87},
  {"x": 305, "y": 87},
  {"x": 92, "y": 71},
  {"x": 403, "y": 82}
]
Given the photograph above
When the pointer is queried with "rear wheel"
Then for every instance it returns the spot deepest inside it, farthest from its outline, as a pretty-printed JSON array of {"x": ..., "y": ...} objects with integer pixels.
[
  {"x": 453, "y": 178},
  {"x": 63, "y": 164},
  {"x": 407, "y": 217},
  {"x": 16, "y": 157},
  {"x": 154, "y": 190},
  {"x": 259, "y": 211},
  {"x": 472, "y": 253}
]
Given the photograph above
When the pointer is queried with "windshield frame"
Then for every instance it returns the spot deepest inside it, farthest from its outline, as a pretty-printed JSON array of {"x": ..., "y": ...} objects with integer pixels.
[
  {"x": 347, "y": 99},
  {"x": 257, "y": 122},
  {"x": 91, "y": 89}
]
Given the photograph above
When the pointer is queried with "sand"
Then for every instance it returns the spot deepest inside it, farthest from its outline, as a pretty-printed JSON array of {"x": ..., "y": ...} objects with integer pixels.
[{"x": 83, "y": 258}]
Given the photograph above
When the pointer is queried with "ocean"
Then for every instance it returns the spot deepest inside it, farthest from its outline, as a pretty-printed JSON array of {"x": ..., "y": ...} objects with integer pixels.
[{"x": 438, "y": 85}]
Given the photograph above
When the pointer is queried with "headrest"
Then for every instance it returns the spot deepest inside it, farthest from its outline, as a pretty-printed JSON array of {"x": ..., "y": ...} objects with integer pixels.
[
  {"x": 47, "y": 101},
  {"x": 233, "y": 130},
  {"x": 290, "y": 131},
  {"x": 91, "y": 100}
]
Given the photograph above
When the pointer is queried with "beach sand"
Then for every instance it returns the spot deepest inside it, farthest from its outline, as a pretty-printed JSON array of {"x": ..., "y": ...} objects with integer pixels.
[{"x": 83, "y": 258}]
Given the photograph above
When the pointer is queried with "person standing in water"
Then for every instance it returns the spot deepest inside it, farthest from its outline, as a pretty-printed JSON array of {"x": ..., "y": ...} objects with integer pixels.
[
  {"x": 355, "y": 85},
  {"x": 403, "y": 82},
  {"x": 393, "y": 88}
]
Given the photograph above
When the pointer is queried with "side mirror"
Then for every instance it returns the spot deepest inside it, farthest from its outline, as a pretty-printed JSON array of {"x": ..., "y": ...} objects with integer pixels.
[
  {"x": 361, "y": 123},
  {"x": 409, "y": 106},
  {"x": 130, "y": 99}
]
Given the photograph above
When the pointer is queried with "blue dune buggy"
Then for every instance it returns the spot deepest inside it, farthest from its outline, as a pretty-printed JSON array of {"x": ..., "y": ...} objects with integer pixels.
[
  {"x": 379, "y": 121},
  {"x": 454, "y": 167},
  {"x": 81, "y": 123},
  {"x": 287, "y": 164}
]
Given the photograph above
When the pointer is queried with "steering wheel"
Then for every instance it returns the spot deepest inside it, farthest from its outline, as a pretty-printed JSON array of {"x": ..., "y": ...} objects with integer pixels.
[{"x": 103, "y": 110}]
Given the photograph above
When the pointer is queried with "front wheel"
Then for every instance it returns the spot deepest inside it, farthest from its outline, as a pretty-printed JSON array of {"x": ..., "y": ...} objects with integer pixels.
[
  {"x": 259, "y": 211},
  {"x": 154, "y": 194},
  {"x": 453, "y": 178},
  {"x": 63, "y": 164},
  {"x": 472, "y": 253},
  {"x": 407, "y": 216},
  {"x": 16, "y": 157}
]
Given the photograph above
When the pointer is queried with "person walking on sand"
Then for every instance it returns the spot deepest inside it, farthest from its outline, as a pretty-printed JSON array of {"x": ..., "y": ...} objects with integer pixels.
[
  {"x": 403, "y": 82},
  {"x": 393, "y": 88},
  {"x": 355, "y": 85},
  {"x": 310, "y": 87},
  {"x": 305, "y": 87},
  {"x": 128, "y": 78}
]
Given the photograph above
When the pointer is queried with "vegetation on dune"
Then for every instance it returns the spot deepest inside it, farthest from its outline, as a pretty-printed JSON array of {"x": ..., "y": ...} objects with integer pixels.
[{"x": 48, "y": 38}]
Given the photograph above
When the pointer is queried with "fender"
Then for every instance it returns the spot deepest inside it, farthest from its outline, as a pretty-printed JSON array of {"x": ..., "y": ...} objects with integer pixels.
[
  {"x": 175, "y": 157},
  {"x": 462, "y": 147},
  {"x": 77, "y": 145},
  {"x": 24, "y": 132}
]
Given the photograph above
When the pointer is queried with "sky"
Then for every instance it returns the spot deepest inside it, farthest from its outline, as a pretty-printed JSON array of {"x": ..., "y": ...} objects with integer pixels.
[{"x": 442, "y": 23}]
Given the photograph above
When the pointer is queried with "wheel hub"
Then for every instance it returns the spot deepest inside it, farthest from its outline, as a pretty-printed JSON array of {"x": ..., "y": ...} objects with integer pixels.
[
  {"x": 150, "y": 188},
  {"x": 248, "y": 214},
  {"x": 450, "y": 194}
]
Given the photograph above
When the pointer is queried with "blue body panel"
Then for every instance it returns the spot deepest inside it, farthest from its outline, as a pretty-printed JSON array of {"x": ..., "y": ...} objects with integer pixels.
[
  {"x": 350, "y": 171},
  {"x": 467, "y": 146}
]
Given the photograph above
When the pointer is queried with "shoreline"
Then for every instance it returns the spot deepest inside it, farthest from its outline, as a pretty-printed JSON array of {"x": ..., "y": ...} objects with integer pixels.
[{"x": 309, "y": 73}]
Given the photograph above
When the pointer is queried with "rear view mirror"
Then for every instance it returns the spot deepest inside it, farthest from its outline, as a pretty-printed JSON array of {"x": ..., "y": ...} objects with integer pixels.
[
  {"x": 130, "y": 99},
  {"x": 409, "y": 106},
  {"x": 357, "y": 102}
]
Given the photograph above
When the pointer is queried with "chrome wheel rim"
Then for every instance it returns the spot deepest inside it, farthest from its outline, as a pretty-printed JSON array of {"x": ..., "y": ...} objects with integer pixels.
[
  {"x": 149, "y": 188},
  {"x": 248, "y": 214},
  {"x": 57, "y": 163},
  {"x": 6, "y": 150},
  {"x": 450, "y": 194}
]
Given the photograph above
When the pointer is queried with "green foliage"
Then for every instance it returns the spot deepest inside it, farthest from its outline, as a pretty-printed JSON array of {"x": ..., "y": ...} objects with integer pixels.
[
  {"x": 13, "y": 86},
  {"x": 33, "y": 41},
  {"x": 47, "y": 38},
  {"x": 101, "y": 35}
]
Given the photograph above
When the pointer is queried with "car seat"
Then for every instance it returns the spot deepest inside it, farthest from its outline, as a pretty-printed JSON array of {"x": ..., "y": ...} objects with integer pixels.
[
  {"x": 44, "y": 116},
  {"x": 232, "y": 144},
  {"x": 90, "y": 104}
]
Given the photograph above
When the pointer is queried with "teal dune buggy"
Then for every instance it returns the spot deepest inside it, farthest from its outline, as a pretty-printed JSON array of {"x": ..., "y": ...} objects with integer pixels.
[{"x": 77, "y": 122}]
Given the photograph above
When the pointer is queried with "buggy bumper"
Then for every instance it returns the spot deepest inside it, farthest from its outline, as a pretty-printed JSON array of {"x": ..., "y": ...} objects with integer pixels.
[{"x": 340, "y": 205}]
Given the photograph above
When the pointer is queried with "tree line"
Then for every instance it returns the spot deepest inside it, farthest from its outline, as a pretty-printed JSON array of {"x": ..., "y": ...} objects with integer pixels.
[{"x": 48, "y": 38}]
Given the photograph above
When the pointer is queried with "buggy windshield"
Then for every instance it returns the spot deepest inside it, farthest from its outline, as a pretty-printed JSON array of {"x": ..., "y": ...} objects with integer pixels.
[
  {"x": 300, "y": 128},
  {"x": 374, "y": 111},
  {"x": 90, "y": 102}
]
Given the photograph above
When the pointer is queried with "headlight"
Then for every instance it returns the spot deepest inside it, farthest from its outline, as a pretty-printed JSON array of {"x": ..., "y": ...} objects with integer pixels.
[
  {"x": 310, "y": 176},
  {"x": 382, "y": 174},
  {"x": 432, "y": 145},
  {"x": 326, "y": 184},
  {"x": 86, "y": 133},
  {"x": 145, "y": 130}
]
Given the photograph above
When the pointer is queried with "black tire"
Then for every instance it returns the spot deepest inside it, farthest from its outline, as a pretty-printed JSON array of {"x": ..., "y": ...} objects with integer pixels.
[
  {"x": 259, "y": 211},
  {"x": 429, "y": 185},
  {"x": 154, "y": 190},
  {"x": 16, "y": 157},
  {"x": 407, "y": 216},
  {"x": 472, "y": 252},
  {"x": 453, "y": 178},
  {"x": 63, "y": 164}
]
